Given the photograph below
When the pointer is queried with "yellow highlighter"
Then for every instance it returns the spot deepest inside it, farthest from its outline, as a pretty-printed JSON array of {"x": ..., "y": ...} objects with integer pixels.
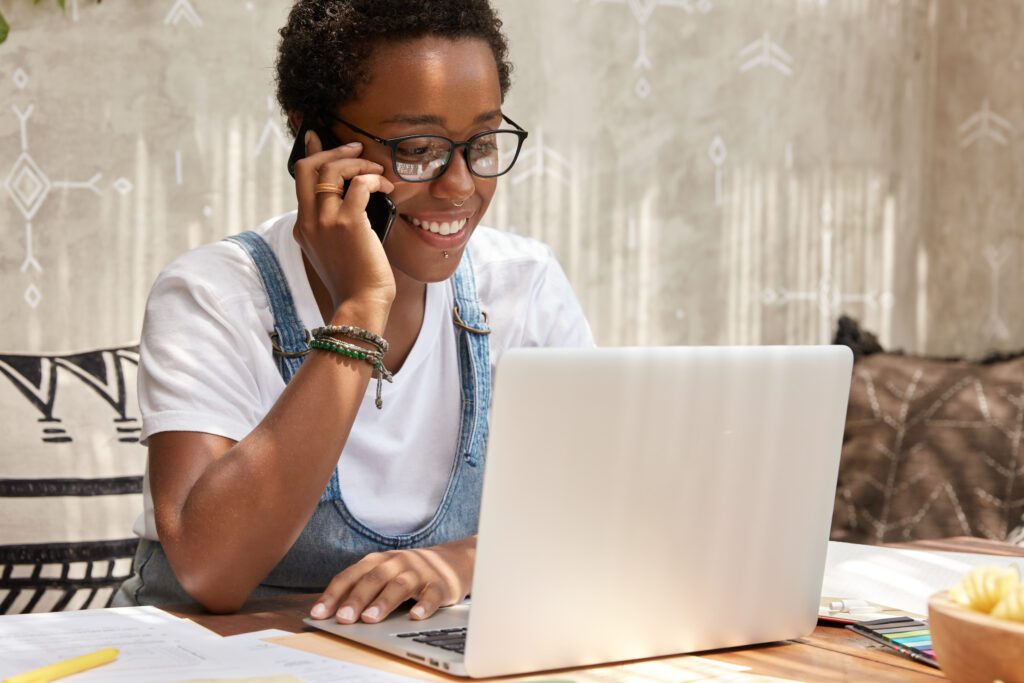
[{"x": 75, "y": 665}]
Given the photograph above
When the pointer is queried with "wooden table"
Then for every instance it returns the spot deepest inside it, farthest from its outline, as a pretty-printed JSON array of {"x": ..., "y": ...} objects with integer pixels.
[{"x": 830, "y": 653}]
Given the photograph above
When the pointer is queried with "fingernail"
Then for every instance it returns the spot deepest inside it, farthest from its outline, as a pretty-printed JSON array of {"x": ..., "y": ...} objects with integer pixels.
[
  {"x": 417, "y": 612},
  {"x": 354, "y": 144},
  {"x": 346, "y": 613},
  {"x": 309, "y": 135},
  {"x": 372, "y": 613},
  {"x": 319, "y": 611}
]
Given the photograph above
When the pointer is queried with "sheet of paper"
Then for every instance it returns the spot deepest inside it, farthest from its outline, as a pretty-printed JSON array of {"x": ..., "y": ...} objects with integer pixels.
[
  {"x": 899, "y": 578},
  {"x": 682, "y": 669},
  {"x": 157, "y": 647},
  {"x": 247, "y": 679},
  {"x": 308, "y": 667}
]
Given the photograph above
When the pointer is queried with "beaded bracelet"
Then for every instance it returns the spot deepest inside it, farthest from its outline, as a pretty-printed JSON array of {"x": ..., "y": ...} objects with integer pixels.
[
  {"x": 345, "y": 349},
  {"x": 352, "y": 332},
  {"x": 374, "y": 358}
]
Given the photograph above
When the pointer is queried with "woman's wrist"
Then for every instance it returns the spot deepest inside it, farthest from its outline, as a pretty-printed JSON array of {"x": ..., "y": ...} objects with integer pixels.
[{"x": 369, "y": 314}]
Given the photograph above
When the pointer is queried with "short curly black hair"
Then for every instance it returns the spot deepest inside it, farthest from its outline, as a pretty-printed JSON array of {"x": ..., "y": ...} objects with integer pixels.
[{"x": 326, "y": 44}]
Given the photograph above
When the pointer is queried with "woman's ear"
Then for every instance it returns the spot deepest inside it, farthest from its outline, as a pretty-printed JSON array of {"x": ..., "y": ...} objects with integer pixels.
[{"x": 294, "y": 121}]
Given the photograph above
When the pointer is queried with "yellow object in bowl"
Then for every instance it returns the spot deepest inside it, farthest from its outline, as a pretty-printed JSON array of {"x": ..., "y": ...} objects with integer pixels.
[
  {"x": 1011, "y": 606},
  {"x": 984, "y": 587}
]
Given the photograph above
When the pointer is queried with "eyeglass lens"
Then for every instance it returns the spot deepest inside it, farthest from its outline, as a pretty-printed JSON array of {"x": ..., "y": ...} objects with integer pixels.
[{"x": 425, "y": 158}]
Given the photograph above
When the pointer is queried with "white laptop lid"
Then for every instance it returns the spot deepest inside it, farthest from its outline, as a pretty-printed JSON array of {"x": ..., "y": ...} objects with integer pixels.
[{"x": 644, "y": 502}]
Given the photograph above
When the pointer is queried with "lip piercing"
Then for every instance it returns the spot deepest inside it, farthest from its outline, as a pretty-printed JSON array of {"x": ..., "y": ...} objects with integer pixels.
[{"x": 445, "y": 253}]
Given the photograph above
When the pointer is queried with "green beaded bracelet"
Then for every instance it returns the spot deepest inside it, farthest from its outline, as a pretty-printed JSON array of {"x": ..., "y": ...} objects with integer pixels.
[{"x": 374, "y": 358}]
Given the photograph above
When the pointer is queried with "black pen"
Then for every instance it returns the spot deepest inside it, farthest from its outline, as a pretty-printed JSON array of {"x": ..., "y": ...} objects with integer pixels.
[{"x": 919, "y": 657}]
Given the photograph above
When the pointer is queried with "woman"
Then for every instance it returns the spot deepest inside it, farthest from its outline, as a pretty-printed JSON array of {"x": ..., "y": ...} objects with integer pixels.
[{"x": 271, "y": 471}]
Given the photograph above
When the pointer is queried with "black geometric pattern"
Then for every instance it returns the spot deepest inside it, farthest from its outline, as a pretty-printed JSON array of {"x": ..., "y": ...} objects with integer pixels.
[
  {"x": 73, "y": 574},
  {"x": 51, "y": 577},
  {"x": 103, "y": 371}
]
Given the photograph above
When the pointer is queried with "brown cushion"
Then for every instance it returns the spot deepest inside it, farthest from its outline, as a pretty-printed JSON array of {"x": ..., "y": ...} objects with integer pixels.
[{"x": 932, "y": 448}]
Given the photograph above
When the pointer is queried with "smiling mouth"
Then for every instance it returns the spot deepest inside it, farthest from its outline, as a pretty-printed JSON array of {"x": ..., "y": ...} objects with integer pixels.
[{"x": 439, "y": 228}]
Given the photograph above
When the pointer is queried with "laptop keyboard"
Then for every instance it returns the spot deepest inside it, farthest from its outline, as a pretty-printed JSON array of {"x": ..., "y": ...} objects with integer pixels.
[{"x": 451, "y": 639}]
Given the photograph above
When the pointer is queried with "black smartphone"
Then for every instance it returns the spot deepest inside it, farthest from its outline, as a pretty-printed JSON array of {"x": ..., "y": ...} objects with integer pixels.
[{"x": 380, "y": 209}]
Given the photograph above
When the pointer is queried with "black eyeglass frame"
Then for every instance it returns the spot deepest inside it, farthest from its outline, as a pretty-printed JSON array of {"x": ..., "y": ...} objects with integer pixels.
[{"x": 393, "y": 143}]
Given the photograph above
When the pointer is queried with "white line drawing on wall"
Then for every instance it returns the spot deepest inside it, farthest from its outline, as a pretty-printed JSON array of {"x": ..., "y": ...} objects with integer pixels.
[
  {"x": 718, "y": 153},
  {"x": 80, "y": 185},
  {"x": 642, "y": 11},
  {"x": 829, "y": 298},
  {"x": 30, "y": 259},
  {"x": 767, "y": 53},
  {"x": 26, "y": 183},
  {"x": 995, "y": 327},
  {"x": 542, "y": 160},
  {"x": 178, "y": 176},
  {"x": 20, "y": 78},
  {"x": 788, "y": 156},
  {"x": 984, "y": 124},
  {"x": 74, "y": 10},
  {"x": 33, "y": 296},
  {"x": 272, "y": 128},
  {"x": 29, "y": 186},
  {"x": 182, "y": 9}
]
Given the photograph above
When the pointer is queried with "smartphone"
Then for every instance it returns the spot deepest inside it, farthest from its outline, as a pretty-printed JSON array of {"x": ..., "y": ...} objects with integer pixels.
[{"x": 380, "y": 209}]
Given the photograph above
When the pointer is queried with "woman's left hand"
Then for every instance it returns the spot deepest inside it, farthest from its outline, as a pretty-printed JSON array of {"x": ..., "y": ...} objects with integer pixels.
[{"x": 372, "y": 588}]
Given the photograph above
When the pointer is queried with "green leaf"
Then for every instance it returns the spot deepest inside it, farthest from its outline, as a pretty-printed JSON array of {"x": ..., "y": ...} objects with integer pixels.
[
  {"x": 61, "y": 3},
  {"x": 4, "y": 28}
]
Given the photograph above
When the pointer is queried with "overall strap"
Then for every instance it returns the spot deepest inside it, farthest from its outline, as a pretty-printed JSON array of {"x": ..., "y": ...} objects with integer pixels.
[
  {"x": 472, "y": 330},
  {"x": 289, "y": 336}
]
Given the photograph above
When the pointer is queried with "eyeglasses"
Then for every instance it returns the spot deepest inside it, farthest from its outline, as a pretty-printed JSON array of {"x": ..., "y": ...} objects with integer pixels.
[{"x": 422, "y": 158}]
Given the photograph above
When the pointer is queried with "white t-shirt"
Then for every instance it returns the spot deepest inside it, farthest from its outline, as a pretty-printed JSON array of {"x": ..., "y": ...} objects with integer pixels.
[{"x": 207, "y": 365}]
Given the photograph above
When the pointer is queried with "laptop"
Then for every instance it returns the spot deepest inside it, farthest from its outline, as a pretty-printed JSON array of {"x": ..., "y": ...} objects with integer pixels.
[{"x": 641, "y": 502}]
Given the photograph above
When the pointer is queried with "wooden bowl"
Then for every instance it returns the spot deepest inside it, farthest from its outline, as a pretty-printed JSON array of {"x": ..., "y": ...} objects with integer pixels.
[{"x": 973, "y": 647}]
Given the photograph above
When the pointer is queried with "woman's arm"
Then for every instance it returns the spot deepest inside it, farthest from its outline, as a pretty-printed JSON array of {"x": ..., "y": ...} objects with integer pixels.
[{"x": 227, "y": 512}]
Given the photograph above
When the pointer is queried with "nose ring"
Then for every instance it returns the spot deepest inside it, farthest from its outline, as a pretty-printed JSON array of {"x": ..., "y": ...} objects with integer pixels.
[{"x": 455, "y": 203}]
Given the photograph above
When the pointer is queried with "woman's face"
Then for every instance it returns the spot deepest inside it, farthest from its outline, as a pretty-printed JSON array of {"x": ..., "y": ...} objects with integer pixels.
[{"x": 429, "y": 86}]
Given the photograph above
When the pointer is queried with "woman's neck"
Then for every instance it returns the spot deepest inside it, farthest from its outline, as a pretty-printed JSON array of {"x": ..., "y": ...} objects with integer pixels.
[{"x": 404, "y": 320}]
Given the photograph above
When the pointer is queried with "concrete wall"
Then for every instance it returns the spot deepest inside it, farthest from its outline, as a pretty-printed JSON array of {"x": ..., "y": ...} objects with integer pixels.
[{"x": 708, "y": 171}]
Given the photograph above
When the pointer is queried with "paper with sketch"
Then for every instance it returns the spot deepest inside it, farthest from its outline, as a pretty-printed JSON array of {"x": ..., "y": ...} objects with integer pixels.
[
  {"x": 899, "y": 578},
  {"x": 149, "y": 640}
]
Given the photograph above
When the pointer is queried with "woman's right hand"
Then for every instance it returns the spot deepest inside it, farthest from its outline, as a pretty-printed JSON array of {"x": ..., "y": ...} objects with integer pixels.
[{"x": 335, "y": 232}]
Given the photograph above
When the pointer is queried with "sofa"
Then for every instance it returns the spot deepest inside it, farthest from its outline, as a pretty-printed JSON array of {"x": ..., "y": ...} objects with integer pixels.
[{"x": 932, "y": 448}]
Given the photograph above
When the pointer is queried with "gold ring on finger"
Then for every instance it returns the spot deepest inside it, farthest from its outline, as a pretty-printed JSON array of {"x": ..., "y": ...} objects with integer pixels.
[{"x": 328, "y": 187}]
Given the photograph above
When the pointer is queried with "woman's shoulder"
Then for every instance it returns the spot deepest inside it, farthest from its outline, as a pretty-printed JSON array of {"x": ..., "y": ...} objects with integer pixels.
[
  {"x": 222, "y": 269},
  {"x": 493, "y": 248}
]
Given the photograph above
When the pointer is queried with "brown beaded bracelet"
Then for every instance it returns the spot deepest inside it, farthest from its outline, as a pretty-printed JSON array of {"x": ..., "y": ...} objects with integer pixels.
[{"x": 352, "y": 332}]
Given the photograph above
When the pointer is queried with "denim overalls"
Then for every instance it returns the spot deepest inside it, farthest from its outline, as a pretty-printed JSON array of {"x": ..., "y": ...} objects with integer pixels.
[{"x": 334, "y": 539}]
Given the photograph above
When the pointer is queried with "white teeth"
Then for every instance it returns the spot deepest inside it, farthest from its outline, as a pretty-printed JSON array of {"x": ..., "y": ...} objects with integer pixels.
[{"x": 444, "y": 228}]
